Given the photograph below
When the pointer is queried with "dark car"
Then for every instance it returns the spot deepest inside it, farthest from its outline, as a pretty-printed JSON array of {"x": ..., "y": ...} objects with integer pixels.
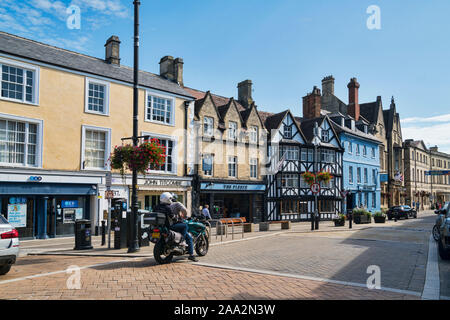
[{"x": 399, "y": 212}]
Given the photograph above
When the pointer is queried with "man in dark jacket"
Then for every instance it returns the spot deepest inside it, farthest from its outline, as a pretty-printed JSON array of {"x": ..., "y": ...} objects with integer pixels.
[{"x": 175, "y": 217}]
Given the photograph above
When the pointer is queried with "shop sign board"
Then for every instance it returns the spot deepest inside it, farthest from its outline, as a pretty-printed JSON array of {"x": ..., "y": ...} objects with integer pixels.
[
  {"x": 17, "y": 215},
  {"x": 233, "y": 187},
  {"x": 69, "y": 204}
]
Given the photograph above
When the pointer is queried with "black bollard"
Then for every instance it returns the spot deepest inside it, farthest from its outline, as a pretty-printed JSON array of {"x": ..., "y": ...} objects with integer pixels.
[
  {"x": 350, "y": 221},
  {"x": 103, "y": 233}
]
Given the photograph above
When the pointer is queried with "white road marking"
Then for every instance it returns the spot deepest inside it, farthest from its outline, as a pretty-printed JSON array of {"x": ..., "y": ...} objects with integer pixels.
[
  {"x": 302, "y": 277},
  {"x": 432, "y": 287}
]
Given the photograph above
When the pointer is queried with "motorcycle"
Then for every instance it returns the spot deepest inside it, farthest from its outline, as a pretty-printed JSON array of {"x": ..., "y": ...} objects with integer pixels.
[{"x": 169, "y": 243}]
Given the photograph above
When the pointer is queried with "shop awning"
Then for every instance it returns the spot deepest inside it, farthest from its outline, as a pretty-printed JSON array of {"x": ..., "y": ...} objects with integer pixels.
[{"x": 47, "y": 189}]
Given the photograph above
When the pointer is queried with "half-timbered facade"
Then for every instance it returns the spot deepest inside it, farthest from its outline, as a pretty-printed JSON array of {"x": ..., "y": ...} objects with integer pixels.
[{"x": 292, "y": 153}]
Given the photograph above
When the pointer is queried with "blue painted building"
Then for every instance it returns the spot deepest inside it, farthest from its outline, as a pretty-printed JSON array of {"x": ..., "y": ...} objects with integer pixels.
[{"x": 361, "y": 163}]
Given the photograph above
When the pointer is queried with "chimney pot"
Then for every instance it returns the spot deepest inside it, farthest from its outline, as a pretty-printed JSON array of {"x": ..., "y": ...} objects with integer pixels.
[
  {"x": 245, "y": 93},
  {"x": 312, "y": 104},
  {"x": 353, "y": 99},
  {"x": 112, "y": 50},
  {"x": 171, "y": 69},
  {"x": 328, "y": 85}
]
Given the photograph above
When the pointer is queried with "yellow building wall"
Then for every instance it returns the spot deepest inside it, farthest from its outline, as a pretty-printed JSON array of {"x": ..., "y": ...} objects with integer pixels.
[{"x": 61, "y": 107}]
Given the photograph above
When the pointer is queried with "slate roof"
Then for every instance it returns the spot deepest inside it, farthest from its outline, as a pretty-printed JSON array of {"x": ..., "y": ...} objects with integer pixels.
[
  {"x": 40, "y": 52},
  {"x": 358, "y": 133}
]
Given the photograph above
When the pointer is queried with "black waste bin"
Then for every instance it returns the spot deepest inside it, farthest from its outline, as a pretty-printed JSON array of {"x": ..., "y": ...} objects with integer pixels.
[{"x": 83, "y": 240}]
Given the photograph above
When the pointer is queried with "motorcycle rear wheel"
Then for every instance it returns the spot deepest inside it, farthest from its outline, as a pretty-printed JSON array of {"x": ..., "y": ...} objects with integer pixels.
[
  {"x": 202, "y": 246},
  {"x": 158, "y": 253}
]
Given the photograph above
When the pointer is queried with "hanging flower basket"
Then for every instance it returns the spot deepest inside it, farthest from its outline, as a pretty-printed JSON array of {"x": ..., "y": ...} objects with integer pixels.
[
  {"x": 149, "y": 153},
  {"x": 324, "y": 177},
  {"x": 309, "y": 178}
]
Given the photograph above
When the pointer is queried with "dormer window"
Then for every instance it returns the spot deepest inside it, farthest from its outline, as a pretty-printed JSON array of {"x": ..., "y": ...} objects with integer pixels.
[
  {"x": 287, "y": 132},
  {"x": 325, "y": 136},
  {"x": 208, "y": 126},
  {"x": 232, "y": 130}
]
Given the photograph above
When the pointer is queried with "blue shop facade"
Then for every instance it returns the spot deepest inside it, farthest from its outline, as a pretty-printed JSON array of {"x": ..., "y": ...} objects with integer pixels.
[
  {"x": 361, "y": 165},
  {"x": 46, "y": 205}
]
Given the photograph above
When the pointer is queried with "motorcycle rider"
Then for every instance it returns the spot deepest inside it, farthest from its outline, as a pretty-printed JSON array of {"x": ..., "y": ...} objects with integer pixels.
[{"x": 176, "y": 213}]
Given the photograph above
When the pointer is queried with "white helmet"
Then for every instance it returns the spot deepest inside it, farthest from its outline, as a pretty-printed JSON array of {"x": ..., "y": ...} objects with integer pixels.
[{"x": 166, "y": 198}]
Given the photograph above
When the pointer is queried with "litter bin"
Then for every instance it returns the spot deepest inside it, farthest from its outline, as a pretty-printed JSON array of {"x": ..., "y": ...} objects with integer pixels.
[{"x": 83, "y": 239}]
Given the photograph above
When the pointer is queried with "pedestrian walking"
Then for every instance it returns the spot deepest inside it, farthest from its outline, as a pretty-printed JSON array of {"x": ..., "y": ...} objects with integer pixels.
[
  {"x": 417, "y": 206},
  {"x": 206, "y": 213}
]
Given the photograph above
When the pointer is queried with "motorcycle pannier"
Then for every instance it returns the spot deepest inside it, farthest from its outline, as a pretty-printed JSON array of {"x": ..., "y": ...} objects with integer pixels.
[{"x": 155, "y": 219}]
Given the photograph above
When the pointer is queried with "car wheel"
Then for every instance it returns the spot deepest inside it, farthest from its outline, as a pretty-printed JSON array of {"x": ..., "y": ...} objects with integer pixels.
[
  {"x": 445, "y": 254},
  {"x": 5, "y": 269},
  {"x": 436, "y": 234}
]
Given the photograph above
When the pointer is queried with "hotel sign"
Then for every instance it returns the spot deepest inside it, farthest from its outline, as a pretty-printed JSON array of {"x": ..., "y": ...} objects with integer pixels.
[{"x": 437, "y": 173}]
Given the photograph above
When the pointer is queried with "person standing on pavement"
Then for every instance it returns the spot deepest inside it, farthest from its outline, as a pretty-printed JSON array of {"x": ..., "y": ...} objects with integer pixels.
[
  {"x": 417, "y": 206},
  {"x": 206, "y": 213}
]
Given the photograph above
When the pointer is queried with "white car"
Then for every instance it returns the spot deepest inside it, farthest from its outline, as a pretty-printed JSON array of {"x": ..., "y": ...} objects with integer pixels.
[{"x": 9, "y": 246}]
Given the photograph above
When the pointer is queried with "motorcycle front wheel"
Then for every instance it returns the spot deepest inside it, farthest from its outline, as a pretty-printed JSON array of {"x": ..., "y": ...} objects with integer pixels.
[
  {"x": 159, "y": 253},
  {"x": 436, "y": 234},
  {"x": 202, "y": 246}
]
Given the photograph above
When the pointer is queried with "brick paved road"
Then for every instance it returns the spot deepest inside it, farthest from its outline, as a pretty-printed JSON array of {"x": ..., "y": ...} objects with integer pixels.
[
  {"x": 142, "y": 279},
  {"x": 400, "y": 249}
]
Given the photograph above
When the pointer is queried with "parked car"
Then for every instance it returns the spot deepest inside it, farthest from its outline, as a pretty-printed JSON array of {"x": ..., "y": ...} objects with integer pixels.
[
  {"x": 444, "y": 232},
  {"x": 440, "y": 221},
  {"x": 401, "y": 212},
  {"x": 9, "y": 246}
]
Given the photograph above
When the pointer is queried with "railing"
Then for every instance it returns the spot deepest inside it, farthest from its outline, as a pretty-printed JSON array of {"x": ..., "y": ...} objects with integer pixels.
[{"x": 219, "y": 223}]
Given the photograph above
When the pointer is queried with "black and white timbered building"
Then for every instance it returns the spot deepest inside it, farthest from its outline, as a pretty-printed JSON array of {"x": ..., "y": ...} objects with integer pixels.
[{"x": 291, "y": 152}]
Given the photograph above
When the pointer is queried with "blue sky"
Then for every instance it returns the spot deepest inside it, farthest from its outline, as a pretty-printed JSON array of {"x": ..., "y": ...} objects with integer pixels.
[{"x": 285, "y": 46}]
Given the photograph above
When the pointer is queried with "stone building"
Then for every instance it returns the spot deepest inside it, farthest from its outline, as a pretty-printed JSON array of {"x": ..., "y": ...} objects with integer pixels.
[
  {"x": 230, "y": 150},
  {"x": 61, "y": 114},
  {"x": 384, "y": 125},
  {"x": 417, "y": 182},
  {"x": 427, "y": 177}
]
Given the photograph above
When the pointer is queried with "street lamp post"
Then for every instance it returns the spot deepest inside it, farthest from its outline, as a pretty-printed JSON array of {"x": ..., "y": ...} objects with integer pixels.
[
  {"x": 134, "y": 243},
  {"x": 316, "y": 142}
]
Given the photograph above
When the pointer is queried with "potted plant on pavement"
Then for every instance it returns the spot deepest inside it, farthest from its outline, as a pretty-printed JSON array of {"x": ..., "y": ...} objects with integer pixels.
[
  {"x": 339, "y": 221},
  {"x": 361, "y": 216},
  {"x": 379, "y": 217}
]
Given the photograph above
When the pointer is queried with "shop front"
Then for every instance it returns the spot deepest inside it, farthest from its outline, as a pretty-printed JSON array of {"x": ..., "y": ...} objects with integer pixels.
[
  {"x": 233, "y": 200},
  {"x": 151, "y": 188},
  {"x": 43, "y": 210}
]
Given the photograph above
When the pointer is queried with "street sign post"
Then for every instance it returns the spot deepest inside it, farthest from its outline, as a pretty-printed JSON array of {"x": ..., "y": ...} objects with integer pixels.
[{"x": 315, "y": 188}]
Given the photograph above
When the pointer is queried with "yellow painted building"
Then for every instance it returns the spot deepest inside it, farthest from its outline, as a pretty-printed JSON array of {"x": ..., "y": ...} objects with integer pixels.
[{"x": 61, "y": 114}]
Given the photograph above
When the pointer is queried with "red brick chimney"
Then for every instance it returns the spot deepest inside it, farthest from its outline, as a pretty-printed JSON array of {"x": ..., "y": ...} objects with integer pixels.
[
  {"x": 353, "y": 99},
  {"x": 312, "y": 104}
]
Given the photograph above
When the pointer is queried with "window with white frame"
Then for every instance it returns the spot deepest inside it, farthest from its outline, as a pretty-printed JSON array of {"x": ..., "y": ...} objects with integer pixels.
[
  {"x": 254, "y": 130},
  {"x": 350, "y": 147},
  {"x": 208, "y": 126},
  {"x": 232, "y": 130},
  {"x": 350, "y": 175},
  {"x": 374, "y": 177},
  {"x": 328, "y": 156},
  {"x": 373, "y": 153},
  {"x": 366, "y": 176},
  {"x": 97, "y": 96},
  {"x": 307, "y": 155},
  {"x": 19, "y": 82},
  {"x": 364, "y": 151},
  {"x": 254, "y": 168},
  {"x": 159, "y": 109},
  {"x": 208, "y": 164},
  {"x": 288, "y": 180},
  {"x": 357, "y": 150},
  {"x": 232, "y": 167},
  {"x": 290, "y": 153},
  {"x": 358, "y": 175},
  {"x": 287, "y": 134},
  {"x": 303, "y": 183},
  {"x": 20, "y": 142},
  {"x": 96, "y": 148},
  {"x": 169, "y": 165},
  {"x": 325, "y": 135}
]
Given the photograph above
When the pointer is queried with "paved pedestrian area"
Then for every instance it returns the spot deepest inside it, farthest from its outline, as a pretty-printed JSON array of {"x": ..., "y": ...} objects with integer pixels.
[
  {"x": 332, "y": 263},
  {"x": 142, "y": 279}
]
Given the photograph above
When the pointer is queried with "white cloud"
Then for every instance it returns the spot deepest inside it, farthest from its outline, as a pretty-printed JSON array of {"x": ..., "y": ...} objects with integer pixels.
[
  {"x": 441, "y": 118},
  {"x": 434, "y": 134},
  {"x": 107, "y": 7},
  {"x": 78, "y": 44}
]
